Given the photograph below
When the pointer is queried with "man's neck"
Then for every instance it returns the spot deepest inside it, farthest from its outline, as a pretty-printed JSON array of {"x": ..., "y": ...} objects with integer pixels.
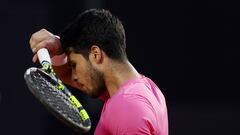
[{"x": 117, "y": 74}]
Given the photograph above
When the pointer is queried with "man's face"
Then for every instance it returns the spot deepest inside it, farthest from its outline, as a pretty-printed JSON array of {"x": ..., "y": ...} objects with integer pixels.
[{"x": 88, "y": 79}]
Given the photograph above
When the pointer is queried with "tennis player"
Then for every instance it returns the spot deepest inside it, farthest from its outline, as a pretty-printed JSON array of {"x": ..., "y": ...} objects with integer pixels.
[{"x": 90, "y": 55}]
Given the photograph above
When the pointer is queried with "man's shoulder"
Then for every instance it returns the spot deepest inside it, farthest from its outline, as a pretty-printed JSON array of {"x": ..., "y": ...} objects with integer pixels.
[
  {"x": 133, "y": 112},
  {"x": 135, "y": 97},
  {"x": 137, "y": 94},
  {"x": 135, "y": 87}
]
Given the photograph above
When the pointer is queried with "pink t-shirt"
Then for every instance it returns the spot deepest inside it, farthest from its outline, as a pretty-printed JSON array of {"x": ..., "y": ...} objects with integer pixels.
[{"x": 138, "y": 108}]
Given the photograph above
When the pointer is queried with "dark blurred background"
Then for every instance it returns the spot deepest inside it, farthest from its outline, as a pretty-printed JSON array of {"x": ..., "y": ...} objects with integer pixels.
[{"x": 189, "y": 48}]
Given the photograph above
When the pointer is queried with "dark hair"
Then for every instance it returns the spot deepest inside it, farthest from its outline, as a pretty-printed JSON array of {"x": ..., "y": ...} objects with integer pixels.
[{"x": 95, "y": 27}]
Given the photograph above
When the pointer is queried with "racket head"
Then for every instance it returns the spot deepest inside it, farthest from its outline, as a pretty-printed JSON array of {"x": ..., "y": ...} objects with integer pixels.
[{"x": 41, "y": 86}]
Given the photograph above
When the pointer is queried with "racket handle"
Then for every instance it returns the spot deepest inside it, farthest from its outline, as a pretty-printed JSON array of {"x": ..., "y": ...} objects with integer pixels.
[{"x": 43, "y": 56}]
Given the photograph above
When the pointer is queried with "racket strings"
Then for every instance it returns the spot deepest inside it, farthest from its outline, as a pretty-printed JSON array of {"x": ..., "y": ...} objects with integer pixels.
[{"x": 55, "y": 98}]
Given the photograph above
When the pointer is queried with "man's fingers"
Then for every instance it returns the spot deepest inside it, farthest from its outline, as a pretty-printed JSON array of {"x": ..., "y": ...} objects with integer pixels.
[
  {"x": 39, "y": 36},
  {"x": 34, "y": 50},
  {"x": 45, "y": 39},
  {"x": 49, "y": 44},
  {"x": 35, "y": 58}
]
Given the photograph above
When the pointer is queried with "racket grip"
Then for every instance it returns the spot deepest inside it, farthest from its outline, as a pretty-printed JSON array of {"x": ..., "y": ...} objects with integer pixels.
[{"x": 43, "y": 56}]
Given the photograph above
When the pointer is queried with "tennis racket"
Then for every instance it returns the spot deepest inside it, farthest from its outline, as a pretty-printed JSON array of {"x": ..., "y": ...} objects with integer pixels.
[{"x": 53, "y": 94}]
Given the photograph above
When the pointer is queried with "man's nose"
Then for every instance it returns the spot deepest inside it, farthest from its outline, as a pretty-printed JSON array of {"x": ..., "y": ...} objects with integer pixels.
[{"x": 74, "y": 76}]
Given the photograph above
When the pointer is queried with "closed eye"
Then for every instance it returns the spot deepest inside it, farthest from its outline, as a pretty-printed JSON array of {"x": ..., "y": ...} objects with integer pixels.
[{"x": 71, "y": 64}]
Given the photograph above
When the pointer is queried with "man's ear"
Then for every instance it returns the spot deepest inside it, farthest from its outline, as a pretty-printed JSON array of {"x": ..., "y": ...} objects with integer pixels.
[{"x": 96, "y": 54}]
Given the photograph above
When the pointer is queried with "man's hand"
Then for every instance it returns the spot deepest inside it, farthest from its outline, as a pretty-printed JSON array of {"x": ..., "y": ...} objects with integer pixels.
[{"x": 45, "y": 39}]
